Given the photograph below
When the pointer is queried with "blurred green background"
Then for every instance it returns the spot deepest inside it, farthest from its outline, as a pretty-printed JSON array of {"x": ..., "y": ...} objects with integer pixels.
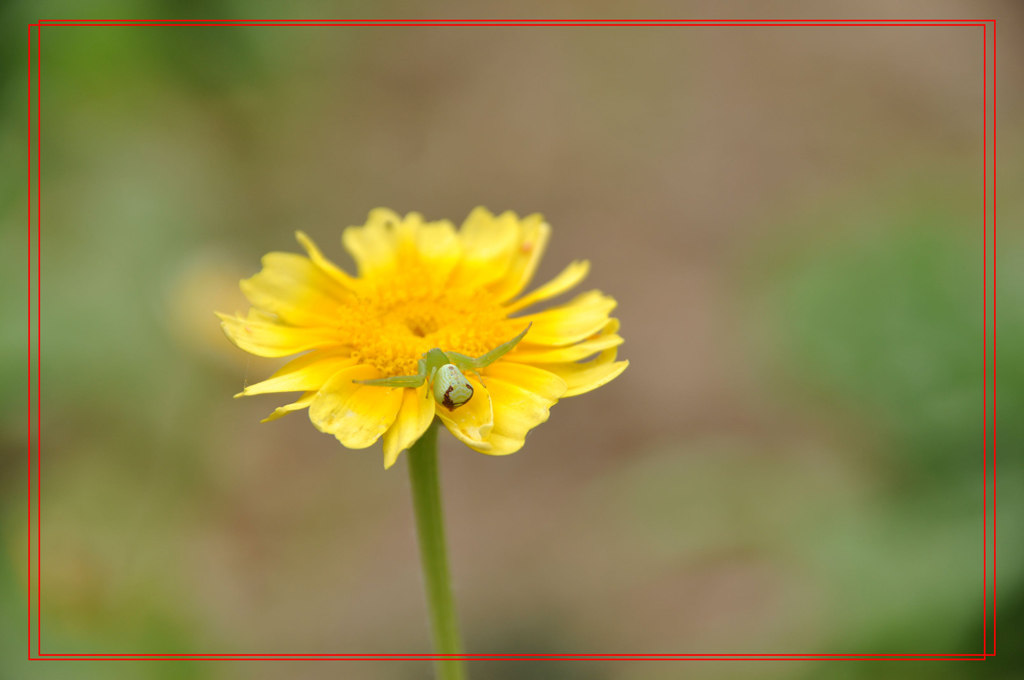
[{"x": 789, "y": 218}]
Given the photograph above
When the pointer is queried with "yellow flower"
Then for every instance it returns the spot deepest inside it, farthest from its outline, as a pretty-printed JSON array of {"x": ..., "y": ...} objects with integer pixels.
[{"x": 423, "y": 285}]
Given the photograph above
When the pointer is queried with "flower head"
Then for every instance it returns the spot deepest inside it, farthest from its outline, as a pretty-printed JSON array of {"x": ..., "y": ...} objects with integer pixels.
[{"x": 423, "y": 286}]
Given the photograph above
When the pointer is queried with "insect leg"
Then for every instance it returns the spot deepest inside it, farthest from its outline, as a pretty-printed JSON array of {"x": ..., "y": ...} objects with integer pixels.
[
  {"x": 465, "y": 363},
  {"x": 395, "y": 381}
]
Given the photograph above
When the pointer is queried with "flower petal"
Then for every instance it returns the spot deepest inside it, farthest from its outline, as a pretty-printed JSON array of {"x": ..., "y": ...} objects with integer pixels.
[
  {"x": 265, "y": 338},
  {"x": 572, "y": 322},
  {"x": 534, "y": 233},
  {"x": 304, "y": 401},
  {"x": 471, "y": 423},
  {"x": 295, "y": 289},
  {"x": 539, "y": 381},
  {"x": 356, "y": 414},
  {"x": 414, "y": 417},
  {"x": 522, "y": 400},
  {"x": 439, "y": 248},
  {"x": 541, "y": 354},
  {"x": 488, "y": 245},
  {"x": 255, "y": 314},
  {"x": 589, "y": 375},
  {"x": 308, "y": 372},
  {"x": 325, "y": 265},
  {"x": 569, "y": 278},
  {"x": 374, "y": 245}
]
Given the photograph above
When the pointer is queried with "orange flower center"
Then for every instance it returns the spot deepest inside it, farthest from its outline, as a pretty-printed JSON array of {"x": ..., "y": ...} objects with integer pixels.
[{"x": 394, "y": 320}]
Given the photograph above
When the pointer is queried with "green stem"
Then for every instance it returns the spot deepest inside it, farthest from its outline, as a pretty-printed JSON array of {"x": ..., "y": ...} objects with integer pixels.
[{"x": 426, "y": 501}]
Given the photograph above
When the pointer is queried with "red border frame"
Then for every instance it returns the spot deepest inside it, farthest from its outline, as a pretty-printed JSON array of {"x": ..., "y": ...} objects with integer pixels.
[{"x": 989, "y": 633}]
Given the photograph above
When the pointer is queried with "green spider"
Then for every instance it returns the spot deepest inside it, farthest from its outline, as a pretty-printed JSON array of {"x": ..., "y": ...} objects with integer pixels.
[{"x": 443, "y": 372}]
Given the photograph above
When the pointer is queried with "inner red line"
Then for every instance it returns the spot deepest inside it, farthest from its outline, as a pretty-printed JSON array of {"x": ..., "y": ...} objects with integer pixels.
[
  {"x": 28, "y": 552},
  {"x": 995, "y": 52},
  {"x": 596, "y": 22},
  {"x": 426, "y": 657},
  {"x": 39, "y": 340},
  {"x": 984, "y": 341},
  {"x": 38, "y": 26},
  {"x": 610, "y": 23}
]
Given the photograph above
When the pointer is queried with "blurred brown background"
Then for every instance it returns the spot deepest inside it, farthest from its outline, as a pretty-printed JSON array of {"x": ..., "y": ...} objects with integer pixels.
[{"x": 789, "y": 218}]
